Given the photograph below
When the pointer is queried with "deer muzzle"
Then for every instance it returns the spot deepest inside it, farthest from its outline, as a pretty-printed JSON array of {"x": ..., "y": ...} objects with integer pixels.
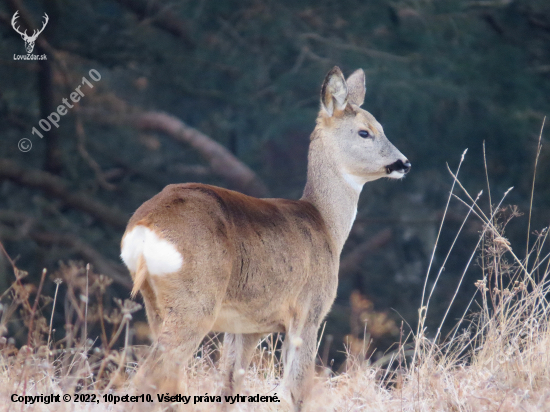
[{"x": 399, "y": 166}]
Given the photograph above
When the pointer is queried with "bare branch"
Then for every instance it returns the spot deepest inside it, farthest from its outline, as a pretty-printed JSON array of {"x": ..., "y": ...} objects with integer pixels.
[
  {"x": 87, "y": 252},
  {"x": 81, "y": 146},
  {"x": 115, "y": 271},
  {"x": 376, "y": 54},
  {"x": 162, "y": 18},
  {"x": 59, "y": 188},
  {"x": 221, "y": 160}
]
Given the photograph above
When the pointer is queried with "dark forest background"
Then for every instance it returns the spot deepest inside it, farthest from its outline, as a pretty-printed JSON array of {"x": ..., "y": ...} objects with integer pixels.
[{"x": 226, "y": 92}]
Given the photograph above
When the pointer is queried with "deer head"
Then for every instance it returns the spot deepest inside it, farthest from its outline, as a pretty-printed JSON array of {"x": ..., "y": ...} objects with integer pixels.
[
  {"x": 29, "y": 40},
  {"x": 353, "y": 137}
]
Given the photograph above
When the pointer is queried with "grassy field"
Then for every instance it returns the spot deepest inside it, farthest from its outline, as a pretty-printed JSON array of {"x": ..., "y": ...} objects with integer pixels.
[{"x": 497, "y": 358}]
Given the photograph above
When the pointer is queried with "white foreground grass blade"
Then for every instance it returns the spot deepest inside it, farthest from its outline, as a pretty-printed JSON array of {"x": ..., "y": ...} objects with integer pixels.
[
  {"x": 422, "y": 311},
  {"x": 472, "y": 255},
  {"x": 487, "y": 179},
  {"x": 450, "y": 250},
  {"x": 539, "y": 148}
]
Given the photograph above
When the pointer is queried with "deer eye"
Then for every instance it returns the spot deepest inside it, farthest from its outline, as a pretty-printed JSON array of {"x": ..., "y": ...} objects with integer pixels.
[{"x": 364, "y": 134}]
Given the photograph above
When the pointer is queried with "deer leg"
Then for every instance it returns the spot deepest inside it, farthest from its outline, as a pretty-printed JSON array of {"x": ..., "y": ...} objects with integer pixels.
[
  {"x": 237, "y": 354},
  {"x": 186, "y": 318},
  {"x": 299, "y": 350}
]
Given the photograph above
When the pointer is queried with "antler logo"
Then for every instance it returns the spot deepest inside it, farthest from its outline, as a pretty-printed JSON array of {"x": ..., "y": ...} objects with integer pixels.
[{"x": 29, "y": 40}]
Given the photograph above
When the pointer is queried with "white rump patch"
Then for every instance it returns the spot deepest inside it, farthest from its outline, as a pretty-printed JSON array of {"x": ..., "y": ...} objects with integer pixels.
[{"x": 161, "y": 256}]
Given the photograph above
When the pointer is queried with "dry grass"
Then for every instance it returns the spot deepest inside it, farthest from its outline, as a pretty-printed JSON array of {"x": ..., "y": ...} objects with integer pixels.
[{"x": 496, "y": 359}]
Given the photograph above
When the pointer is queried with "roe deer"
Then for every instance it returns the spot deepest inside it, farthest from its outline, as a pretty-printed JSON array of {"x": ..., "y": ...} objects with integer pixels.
[{"x": 211, "y": 259}]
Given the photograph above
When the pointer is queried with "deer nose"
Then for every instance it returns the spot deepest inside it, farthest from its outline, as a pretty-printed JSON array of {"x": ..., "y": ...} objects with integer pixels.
[{"x": 399, "y": 166}]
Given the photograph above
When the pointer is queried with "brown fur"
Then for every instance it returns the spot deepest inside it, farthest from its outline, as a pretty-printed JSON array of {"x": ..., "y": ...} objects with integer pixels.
[
  {"x": 255, "y": 266},
  {"x": 256, "y": 239}
]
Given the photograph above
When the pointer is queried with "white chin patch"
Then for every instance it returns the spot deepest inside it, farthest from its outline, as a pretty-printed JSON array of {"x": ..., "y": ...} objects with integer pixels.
[
  {"x": 161, "y": 256},
  {"x": 396, "y": 174}
]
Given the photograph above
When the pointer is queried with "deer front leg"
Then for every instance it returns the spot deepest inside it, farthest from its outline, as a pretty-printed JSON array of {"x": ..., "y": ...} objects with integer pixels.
[
  {"x": 237, "y": 354},
  {"x": 299, "y": 350}
]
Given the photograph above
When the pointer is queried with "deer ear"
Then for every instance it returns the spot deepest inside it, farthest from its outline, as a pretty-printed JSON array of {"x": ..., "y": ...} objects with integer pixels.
[
  {"x": 356, "y": 87},
  {"x": 334, "y": 93}
]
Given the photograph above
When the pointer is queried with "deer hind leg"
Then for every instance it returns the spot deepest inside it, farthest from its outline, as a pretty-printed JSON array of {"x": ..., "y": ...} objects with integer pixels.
[
  {"x": 299, "y": 349},
  {"x": 237, "y": 354},
  {"x": 188, "y": 314}
]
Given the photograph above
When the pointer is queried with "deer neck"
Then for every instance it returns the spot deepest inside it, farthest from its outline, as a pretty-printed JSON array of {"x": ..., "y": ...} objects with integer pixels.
[{"x": 333, "y": 192}]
